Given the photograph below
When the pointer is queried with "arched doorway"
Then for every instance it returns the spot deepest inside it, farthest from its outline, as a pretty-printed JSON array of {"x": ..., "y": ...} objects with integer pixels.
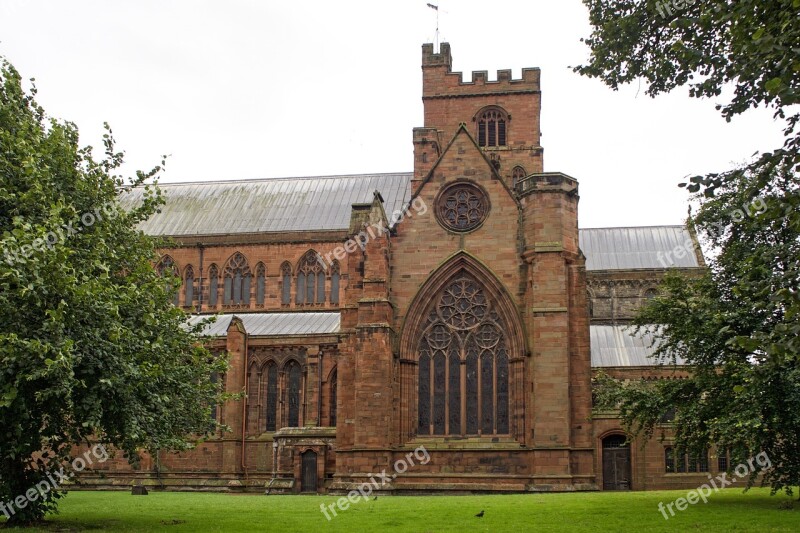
[
  {"x": 309, "y": 474},
  {"x": 616, "y": 463}
]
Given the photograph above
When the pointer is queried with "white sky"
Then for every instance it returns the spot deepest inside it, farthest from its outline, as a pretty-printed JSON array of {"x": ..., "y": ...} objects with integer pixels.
[{"x": 246, "y": 89}]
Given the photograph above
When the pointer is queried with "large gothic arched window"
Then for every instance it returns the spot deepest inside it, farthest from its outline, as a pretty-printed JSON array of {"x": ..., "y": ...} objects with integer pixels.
[
  {"x": 310, "y": 280},
  {"x": 463, "y": 369},
  {"x": 237, "y": 281}
]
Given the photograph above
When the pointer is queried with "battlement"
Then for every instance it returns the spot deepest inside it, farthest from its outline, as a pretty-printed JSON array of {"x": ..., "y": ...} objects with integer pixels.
[
  {"x": 439, "y": 80},
  {"x": 443, "y": 58}
]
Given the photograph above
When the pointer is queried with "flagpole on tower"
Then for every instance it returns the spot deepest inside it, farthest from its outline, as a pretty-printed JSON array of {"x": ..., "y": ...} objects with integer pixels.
[{"x": 436, "y": 36}]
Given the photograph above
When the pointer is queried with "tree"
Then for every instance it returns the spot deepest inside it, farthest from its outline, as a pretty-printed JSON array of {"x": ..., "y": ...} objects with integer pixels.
[
  {"x": 738, "y": 327},
  {"x": 91, "y": 348}
]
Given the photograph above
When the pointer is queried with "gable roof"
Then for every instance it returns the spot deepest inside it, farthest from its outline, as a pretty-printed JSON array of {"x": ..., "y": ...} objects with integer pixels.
[
  {"x": 325, "y": 203},
  {"x": 274, "y": 324},
  {"x": 321, "y": 203},
  {"x": 637, "y": 248},
  {"x": 619, "y": 346}
]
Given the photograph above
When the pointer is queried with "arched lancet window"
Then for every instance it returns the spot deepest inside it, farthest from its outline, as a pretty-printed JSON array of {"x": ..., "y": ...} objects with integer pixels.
[
  {"x": 188, "y": 284},
  {"x": 649, "y": 294},
  {"x": 237, "y": 281},
  {"x": 492, "y": 123},
  {"x": 166, "y": 267},
  {"x": 270, "y": 378},
  {"x": 332, "y": 408},
  {"x": 293, "y": 393},
  {"x": 213, "y": 285},
  {"x": 310, "y": 280},
  {"x": 517, "y": 175},
  {"x": 214, "y": 407},
  {"x": 463, "y": 364},
  {"x": 335, "y": 276},
  {"x": 261, "y": 283},
  {"x": 286, "y": 284}
]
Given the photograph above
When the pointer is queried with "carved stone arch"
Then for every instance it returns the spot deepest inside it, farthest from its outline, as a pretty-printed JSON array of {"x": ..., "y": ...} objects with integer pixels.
[
  {"x": 290, "y": 360},
  {"x": 166, "y": 264},
  {"x": 462, "y": 261},
  {"x": 462, "y": 354},
  {"x": 649, "y": 292}
]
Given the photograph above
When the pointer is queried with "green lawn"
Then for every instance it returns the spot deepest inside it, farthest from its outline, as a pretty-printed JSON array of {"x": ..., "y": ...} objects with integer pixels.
[{"x": 730, "y": 510}]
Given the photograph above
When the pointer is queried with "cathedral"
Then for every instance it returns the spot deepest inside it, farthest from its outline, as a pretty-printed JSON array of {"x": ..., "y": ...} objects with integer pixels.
[{"x": 456, "y": 309}]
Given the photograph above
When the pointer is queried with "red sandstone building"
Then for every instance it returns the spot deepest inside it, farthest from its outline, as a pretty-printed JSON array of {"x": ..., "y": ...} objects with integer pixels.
[{"x": 456, "y": 307}]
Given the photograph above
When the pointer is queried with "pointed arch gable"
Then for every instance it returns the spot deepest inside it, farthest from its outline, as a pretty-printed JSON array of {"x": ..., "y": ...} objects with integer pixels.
[
  {"x": 308, "y": 257},
  {"x": 420, "y": 304},
  {"x": 166, "y": 263},
  {"x": 462, "y": 130}
]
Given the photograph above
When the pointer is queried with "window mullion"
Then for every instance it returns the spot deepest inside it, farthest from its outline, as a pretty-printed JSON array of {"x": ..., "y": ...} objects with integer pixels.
[{"x": 463, "y": 367}]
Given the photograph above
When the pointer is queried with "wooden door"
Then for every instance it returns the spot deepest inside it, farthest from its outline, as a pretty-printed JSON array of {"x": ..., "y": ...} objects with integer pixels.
[
  {"x": 309, "y": 481},
  {"x": 616, "y": 463}
]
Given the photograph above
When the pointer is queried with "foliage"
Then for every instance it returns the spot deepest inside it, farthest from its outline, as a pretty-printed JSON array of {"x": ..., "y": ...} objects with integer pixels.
[
  {"x": 739, "y": 325},
  {"x": 91, "y": 350}
]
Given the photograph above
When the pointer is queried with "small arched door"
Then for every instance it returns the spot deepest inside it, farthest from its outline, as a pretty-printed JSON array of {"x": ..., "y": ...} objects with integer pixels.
[
  {"x": 616, "y": 463},
  {"x": 309, "y": 479}
]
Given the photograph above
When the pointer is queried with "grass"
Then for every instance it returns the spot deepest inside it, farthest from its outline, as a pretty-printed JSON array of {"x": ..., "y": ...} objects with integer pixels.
[{"x": 730, "y": 510}]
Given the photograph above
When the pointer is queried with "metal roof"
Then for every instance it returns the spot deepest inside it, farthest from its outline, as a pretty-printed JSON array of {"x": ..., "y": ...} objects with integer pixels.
[
  {"x": 635, "y": 248},
  {"x": 274, "y": 324},
  {"x": 615, "y": 346},
  {"x": 269, "y": 205}
]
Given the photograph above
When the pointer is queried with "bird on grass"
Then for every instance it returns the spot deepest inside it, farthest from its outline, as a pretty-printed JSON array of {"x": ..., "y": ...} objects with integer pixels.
[
  {"x": 375, "y": 498},
  {"x": 480, "y": 515}
]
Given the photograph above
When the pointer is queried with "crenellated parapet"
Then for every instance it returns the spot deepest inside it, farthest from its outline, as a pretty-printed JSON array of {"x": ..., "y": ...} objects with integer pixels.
[{"x": 439, "y": 80}]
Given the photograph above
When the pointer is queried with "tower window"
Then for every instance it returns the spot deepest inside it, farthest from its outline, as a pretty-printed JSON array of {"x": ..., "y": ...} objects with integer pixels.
[{"x": 492, "y": 127}]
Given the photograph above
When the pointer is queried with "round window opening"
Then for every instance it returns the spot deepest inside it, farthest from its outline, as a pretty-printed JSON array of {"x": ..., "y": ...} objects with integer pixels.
[{"x": 462, "y": 207}]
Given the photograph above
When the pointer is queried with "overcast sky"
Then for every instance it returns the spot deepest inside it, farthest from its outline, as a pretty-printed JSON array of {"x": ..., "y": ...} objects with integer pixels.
[{"x": 241, "y": 90}]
